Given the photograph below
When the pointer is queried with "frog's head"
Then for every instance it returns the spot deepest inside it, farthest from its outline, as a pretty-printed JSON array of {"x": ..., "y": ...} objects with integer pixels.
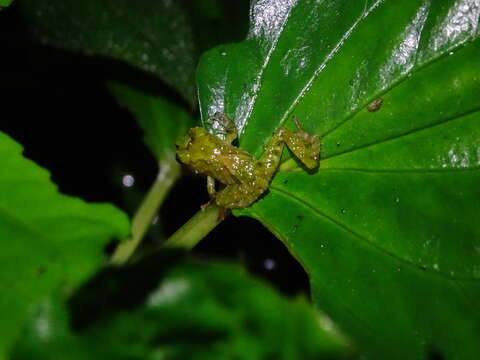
[{"x": 186, "y": 144}]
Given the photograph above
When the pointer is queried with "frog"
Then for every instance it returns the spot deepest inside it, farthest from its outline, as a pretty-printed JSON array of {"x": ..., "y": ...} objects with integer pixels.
[{"x": 243, "y": 178}]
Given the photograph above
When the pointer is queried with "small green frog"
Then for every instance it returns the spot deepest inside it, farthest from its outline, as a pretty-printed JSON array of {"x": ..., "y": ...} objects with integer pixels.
[{"x": 244, "y": 178}]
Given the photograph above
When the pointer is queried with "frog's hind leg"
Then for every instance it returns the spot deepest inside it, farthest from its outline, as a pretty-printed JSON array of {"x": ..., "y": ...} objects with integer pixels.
[
  {"x": 239, "y": 196},
  {"x": 304, "y": 145},
  {"x": 270, "y": 159}
]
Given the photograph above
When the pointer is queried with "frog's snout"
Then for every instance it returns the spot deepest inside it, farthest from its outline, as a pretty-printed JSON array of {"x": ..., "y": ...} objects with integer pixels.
[{"x": 188, "y": 145}]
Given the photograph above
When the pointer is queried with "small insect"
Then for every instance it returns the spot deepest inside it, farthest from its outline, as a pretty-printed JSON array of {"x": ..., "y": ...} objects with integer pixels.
[
  {"x": 375, "y": 105},
  {"x": 244, "y": 178}
]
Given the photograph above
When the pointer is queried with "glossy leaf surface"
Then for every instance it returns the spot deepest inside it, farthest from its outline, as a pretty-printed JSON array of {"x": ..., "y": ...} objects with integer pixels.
[
  {"x": 166, "y": 308},
  {"x": 387, "y": 228},
  {"x": 162, "y": 37},
  {"x": 49, "y": 242},
  {"x": 161, "y": 120}
]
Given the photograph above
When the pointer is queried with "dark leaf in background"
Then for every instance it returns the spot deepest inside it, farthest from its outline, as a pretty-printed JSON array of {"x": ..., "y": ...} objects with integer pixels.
[
  {"x": 169, "y": 307},
  {"x": 4, "y": 3},
  {"x": 162, "y": 37},
  {"x": 161, "y": 120}
]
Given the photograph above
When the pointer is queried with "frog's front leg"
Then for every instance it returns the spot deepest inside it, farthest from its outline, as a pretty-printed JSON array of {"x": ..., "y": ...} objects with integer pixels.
[
  {"x": 223, "y": 127},
  {"x": 211, "y": 191},
  {"x": 211, "y": 187},
  {"x": 230, "y": 134}
]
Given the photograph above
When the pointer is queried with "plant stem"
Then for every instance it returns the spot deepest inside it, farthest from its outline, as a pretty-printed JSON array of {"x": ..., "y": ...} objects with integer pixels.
[
  {"x": 167, "y": 176},
  {"x": 196, "y": 228}
]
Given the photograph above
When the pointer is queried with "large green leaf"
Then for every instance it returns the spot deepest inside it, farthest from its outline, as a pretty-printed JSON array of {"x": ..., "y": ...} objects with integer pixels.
[
  {"x": 48, "y": 241},
  {"x": 388, "y": 227},
  {"x": 161, "y": 37},
  {"x": 166, "y": 307}
]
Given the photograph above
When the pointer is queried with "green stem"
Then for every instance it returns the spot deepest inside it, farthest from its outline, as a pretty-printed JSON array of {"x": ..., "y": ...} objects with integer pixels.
[
  {"x": 167, "y": 176},
  {"x": 196, "y": 228}
]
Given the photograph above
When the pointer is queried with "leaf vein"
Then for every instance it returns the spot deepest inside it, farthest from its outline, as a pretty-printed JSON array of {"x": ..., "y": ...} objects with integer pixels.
[
  {"x": 407, "y": 76},
  {"x": 363, "y": 238},
  {"x": 411, "y": 132},
  {"x": 265, "y": 64},
  {"x": 329, "y": 56},
  {"x": 401, "y": 171}
]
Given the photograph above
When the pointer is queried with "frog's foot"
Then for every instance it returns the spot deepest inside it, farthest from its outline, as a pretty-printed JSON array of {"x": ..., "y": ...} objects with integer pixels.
[
  {"x": 304, "y": 145},
  {"x": 206, "y": 205}
]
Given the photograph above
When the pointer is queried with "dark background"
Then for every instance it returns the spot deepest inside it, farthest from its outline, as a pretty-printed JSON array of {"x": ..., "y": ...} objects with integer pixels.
[{"x": 56, "y": 105}]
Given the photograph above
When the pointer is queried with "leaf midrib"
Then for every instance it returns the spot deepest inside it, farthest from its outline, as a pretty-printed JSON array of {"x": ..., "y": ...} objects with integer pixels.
[
  {"x": 266, "y": 62},
  {"x": 331, "y": 55}
]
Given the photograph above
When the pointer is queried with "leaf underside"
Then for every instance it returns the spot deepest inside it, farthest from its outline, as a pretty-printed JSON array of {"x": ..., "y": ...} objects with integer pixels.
[
  {"x": 163, "y": 38},
  {"x": 387, "y": 227}
]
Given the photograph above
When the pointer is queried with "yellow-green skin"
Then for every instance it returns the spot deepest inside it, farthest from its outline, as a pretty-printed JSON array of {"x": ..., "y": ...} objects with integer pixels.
[{"x": 245, "y": 178}]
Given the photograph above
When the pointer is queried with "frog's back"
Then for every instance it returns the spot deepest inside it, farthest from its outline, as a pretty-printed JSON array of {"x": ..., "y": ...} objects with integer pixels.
[{"x": 208, "y": 155}]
